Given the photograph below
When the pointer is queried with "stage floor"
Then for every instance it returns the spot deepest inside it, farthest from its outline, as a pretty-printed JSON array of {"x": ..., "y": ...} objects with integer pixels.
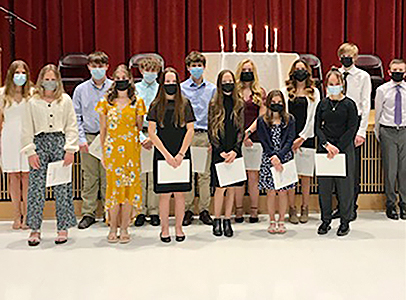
[{"x": 370, "y": 263}]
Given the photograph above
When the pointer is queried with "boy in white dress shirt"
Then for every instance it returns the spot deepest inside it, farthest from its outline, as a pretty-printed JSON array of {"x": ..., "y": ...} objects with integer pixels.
[{"x": 390, "y": 130}]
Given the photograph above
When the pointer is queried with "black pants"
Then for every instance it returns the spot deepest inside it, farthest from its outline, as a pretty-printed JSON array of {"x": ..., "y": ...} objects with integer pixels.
[{"x": 344, "y": 187}]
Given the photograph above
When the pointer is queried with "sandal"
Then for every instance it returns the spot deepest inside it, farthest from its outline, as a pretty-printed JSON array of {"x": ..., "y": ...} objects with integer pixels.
[
  {"x": 125, "y": 237},
  {"x": 281, "y": 227},
  {"x": 62, "y": 237},
  {"x": 272, "y": 227},
  {"x": 112, "y": 237},
  {"x": 17, "y": 224},
  {"x": 254, "y": 219},
  {"x": 34, "y": 239},
  {"x": 241, "y": 218}
]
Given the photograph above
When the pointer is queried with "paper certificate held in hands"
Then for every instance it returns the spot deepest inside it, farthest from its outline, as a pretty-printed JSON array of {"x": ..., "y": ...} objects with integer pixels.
[
  {"x": 287, "y": 177},
  {"x": 147, "y": 157},
  {"x": 330, "y": 167},
  {"x": 231, "y": 173},
  {"x": 199, "y": 159},
  {"x": 95, "y": 148},
  {"x": 305, "y": 161},
  {"x": 252, "y": 157},
  {"x": 168, "y": 174},
  {"x": 58, "y": 174}
]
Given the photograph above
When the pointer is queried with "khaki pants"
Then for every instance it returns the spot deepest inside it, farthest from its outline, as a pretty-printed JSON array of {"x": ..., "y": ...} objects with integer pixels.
[
  {"x": 200, "y": 139},
  {"x": 150, "y": 200},
  {"x": 94, "y": 180}
]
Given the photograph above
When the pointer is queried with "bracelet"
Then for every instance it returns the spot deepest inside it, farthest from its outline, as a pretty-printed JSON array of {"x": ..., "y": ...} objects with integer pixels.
[
  {"x": 249, "y": 132},
  {"x": 181, "y": 154}
]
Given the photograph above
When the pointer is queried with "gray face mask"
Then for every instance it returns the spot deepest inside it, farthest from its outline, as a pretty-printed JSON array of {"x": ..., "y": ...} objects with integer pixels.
[{"x": 49, "y": 85}]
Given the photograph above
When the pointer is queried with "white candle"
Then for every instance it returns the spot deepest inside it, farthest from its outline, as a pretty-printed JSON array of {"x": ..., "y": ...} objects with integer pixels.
[
  {"x": 221, "y": 38},
  {"x": 275, "y": 39},
  {"x": 266, "y": 38},
  {"x": 249, "y": 37},
  {"x": 234, "y": 37}
]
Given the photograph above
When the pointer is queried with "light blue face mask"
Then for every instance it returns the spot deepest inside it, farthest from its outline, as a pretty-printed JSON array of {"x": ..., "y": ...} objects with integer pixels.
[
  {"x": 150, "y": 77},
  {"x": 98, "y": 73},
  {"x": 49, "y": 85},
  {"x": 197, "y": 72},
  {"x": 20, "y": 79},
  {"x": 334, "y": 90}
]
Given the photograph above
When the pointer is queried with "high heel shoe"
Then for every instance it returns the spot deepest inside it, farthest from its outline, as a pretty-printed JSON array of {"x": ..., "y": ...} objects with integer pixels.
[
  {"x": 165, "y": 239},
  {"x": 180, "y": 238},
  {"x": 239, "y": 219},
  {"x": 254, "y": 219}
]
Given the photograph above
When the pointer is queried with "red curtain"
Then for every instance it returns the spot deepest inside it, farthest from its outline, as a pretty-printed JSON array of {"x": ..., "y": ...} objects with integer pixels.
[{"x": 123, "y": 28}]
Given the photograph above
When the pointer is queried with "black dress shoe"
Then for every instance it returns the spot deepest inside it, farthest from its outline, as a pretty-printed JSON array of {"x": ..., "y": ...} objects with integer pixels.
[
  {"x": 204, "y": 216},
  {"x": 217, "y": 231},
  {"x": 343, "y": 230},
  {"x": 228, "y": 231},
  {"x": 402, "y": 212},
  {"x": 254, "y": 219},
  {"x": 180, "y": 238},
  {"x": 188, "y": 218},
  {"x": 86, "y": 222},
  {"x": 336, "y": 214},
  {"x": 239, "y": 219},
  {"x": 391, "y": 213},
  {"x": 354, "y": 216},
  {"x": 165, "y": 239},
  {"x": 323, "y": 228},
  {"x": 140, "y": 220},
  {"x": 155, "y": 221}
]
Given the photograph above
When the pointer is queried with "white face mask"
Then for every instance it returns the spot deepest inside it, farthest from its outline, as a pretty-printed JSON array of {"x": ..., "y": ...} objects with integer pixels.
[
  {"x": 49, "y": 85},
  {"x": 334, "y": 90}
]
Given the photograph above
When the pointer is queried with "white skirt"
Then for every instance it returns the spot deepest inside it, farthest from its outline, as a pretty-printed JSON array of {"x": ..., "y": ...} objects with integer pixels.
[{"x": 12, "y": 160}]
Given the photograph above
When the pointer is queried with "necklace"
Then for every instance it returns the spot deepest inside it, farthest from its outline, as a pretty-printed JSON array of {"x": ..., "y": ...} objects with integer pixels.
[{"x": 334, "y": 107}]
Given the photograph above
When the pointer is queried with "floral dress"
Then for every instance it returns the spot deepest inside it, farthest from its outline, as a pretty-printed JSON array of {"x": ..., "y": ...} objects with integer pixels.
[{"x": 122, "y": 149}]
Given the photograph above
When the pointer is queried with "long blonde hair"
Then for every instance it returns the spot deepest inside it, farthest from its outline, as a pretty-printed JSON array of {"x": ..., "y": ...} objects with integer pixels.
[
  {"x": 255, "y": 86},
  {"x": 39, "y": 90},
  {"x": 9, "y": 85},
  {"x": 217, "y": 112},
  {"x": 291, "y": 83}
]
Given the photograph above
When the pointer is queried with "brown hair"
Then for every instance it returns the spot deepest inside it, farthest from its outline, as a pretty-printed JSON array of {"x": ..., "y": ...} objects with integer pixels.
[
  {"x": 39, "y": 90},
  {"x": 161, "y": 102},
  {"x": 9, "y": 86},
  {"x": 255, "y": 87},
  {"x": 98, "y": 57},
  {"x": 195, "y": 57},
  {"x": 397, "y": 61},
  {"x": 150, "y": 63},
  {"x": 291, "y": 83},
  {"x": 334, "y": 71},
  {"x": 217, "y": 112},
  {"x": 348, "y": 48},
  {"x": 269, "y": 115},
  {"x": 112, "y": 93}
]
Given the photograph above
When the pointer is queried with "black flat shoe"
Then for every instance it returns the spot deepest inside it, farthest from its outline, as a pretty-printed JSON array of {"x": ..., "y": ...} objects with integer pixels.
[
  {"x": 402, "y": 212},
  {"x": 239, "y": 219},
  {"x": 155, "y": 221},
  {"x": 86, "y": 222},
  {"x": 391, "y": 213},
  {"x": 217, "y": 231},
  {"x": 343, "y": 230},
  {"x": 204, "y": 216},
  {"x": 228, "y": 230},
  {"x": 336, "y": 214},
  {"x": 140, "y": 220},
  {"x": 188, "y": 218},
  {"x": 323, "y": 228},
  {"x": 254, "y": 219},
  {"x": 165, "y": 239},
  {"x": 180, "y": 238}
]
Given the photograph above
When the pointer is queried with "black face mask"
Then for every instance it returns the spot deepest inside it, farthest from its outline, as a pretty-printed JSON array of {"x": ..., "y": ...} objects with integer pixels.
[
  {"x": 300, "y": 75},
  {"x": 122, "y": 85},
  {"x": 247, "y": 76},
  {"x": 347, "y": 61},
  {"x": 227, "y": 87},
  {"x": 171, "y": 89},
  {"x": 397, "y": 76},
  {"x": 275, "y": 107}
]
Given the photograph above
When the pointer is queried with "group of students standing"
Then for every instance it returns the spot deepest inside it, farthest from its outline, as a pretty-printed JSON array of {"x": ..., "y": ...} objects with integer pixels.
[{"x": 42, "y": 124}]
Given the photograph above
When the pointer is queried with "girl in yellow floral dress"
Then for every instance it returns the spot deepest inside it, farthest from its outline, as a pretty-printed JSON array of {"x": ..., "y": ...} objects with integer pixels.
[{"x": 121, "y": 118}]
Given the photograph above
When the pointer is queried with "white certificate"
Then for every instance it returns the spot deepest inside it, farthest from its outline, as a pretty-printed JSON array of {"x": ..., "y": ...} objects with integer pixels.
[
  {"x": 199, "y": 159},
  {"x": 305, "y": 161},
  {"x": 58, "y": 174},
  {"x": 252, "y": 157},
  {"x": 287, "y": 177},
  {"x": 330, "y": 167},
  {"x": 147, "y": 157},
  {"x": 231, "y": 173},
  {"x": 95, "y": 148},
  {"x": 168, "y": 174}
]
